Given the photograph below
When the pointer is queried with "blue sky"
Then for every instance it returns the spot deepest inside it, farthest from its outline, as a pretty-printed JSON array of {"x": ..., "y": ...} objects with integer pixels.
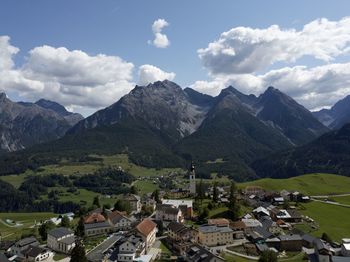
[{"x": 122, "y": 29}]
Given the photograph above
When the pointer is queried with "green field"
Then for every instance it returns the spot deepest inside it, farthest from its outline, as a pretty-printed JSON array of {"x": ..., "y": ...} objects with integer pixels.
[
  {"x": 81, "y": 196},
  {"x": 333, "y": 220},
  {"x": 27, "y": 220},
  {"x": 312, "y": 184},
  {"x": 146, "y": 186}
]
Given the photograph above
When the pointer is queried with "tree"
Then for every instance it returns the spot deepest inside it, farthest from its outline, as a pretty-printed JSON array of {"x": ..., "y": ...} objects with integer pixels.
[
  {"x": 233, "y": 204},
  {"x": 134, "y": 190},
  {"x": 200, "y": 190},
  {"x": 122, "y": 205},
  {"x": 326, "y": 238},
  {"x": 268, "y": 256},
  {"x": 203, "y": 214},
  {"x": 215, "y": 193},
  {"x": 96, "y": 201},
  {"x": 78, "y": 253},
  {"x": 80, "y": 230},
  {"x": 44, "y": 228},
  {"x": 155, "y": 196},
  {"x": 65, "y": 222}
]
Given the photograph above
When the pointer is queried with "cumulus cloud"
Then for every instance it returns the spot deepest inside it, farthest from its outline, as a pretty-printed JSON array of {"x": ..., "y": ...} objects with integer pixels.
[
  {"x": 72, "y": 78},
  {"x": 160, "y": 39},
  {"x": 149, "y": 74},
  {"x": 6, "y": 53},
  {"x": 315, "y": 88},
  {"x": 244, "y": 50}
]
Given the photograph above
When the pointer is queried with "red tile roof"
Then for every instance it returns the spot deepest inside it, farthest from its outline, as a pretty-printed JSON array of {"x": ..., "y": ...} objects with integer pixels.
[
  {"x": 146, "y": 227},
  {"x": 94, "y": 218}
]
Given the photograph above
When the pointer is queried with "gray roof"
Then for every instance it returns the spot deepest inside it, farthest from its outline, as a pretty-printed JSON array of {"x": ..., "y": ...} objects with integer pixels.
[
  {"x": 97, "y": 225},
  {"x": 293, "y": 237},
  {"x": 340, "y": 259},
  {"x": 34, "y": 251},
  {"x": 68, "y": 240},
  {"x": 27, "y": 241},
  {"x": 60, "y": 232},
  {"x": 309, "y": 238},
  {"x": 212, "y": 229},
  {"x": 3, "y": 258}
]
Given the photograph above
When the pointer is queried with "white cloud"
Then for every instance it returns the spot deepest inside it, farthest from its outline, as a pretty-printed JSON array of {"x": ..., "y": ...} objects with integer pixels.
[
  {"x": 246, "y": 50},
  {"x": 149, "y": 74},
  {"x": 72, "y": 78},
  {"x": 160, "y": 39},
  {"x": 315, "y": 88},
  {"x": 6, "y": 53}
]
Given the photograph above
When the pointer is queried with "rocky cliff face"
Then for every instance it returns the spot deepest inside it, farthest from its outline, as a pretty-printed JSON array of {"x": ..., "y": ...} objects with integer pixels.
[{"x": 25, "y": 124}]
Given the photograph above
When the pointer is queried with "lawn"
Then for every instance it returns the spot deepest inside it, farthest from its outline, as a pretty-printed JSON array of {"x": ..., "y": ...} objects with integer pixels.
[
  {"x": 145, "y": 186},
  {"x": 15, "y": 180},
  {"x": 27, "y": 220},
  {"x": 333, "y": 220},
  {"x": 312, "y": 184},
  {"x": 58, "y": 257}
]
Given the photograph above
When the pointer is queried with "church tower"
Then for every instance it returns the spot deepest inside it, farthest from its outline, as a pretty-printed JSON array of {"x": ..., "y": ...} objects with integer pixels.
[{"x": 192, "y": 180}]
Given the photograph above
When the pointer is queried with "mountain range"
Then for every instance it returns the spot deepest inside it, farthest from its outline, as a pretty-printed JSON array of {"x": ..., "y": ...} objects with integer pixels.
[
  {"x": 337, "y": 116},
  {"x": 163, "y": 125},
  {"x": 25, "y": 124}
]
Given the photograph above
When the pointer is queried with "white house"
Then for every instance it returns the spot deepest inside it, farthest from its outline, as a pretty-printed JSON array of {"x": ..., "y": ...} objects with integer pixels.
[
  {"x": 61, "y": 240},
  {"x": 119, "y": 221},
  {"x": 35, "y": 253},
  {"x": 166, "y": 212},
  {"x": 147, "y": 230},
  {"x": 130, "y": 249},
  {"x": 345, "y": 247}
]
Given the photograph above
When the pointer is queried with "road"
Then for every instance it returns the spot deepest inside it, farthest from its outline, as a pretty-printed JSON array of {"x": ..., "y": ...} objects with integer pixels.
[
  {"x": 330, "y": 196},
  {"x": 96, "y": 254},
  {"x": 330, "y": 202}
]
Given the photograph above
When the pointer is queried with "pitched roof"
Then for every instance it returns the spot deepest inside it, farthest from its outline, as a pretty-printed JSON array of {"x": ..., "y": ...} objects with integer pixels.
[
  {"x": 169, "y": 209},
  {"x": 27, "y": 241},
  {"x": 34, "y": 251},
  {"x": 60, "y": 232},
  {"x": 219, "y": 221},
  {"x": 94, "y": 218},
  {"x": 132, "y": 197},
  {"x": 290, "y": 237},
  {"x": 116, "y": 216},
  {"x": 3, "y": 258},
  {"x": 212, "y": 229},
  {"x": 237, "y": 225},
  {"x": 146, "y": 227}
]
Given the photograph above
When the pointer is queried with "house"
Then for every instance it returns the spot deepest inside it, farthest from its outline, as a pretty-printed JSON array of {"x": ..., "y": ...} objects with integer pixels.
[
  {"x": 219, "y": 222},
  {"x": 345, "y": 247},
  {"x": 278, "y": 201},
  {"x": 36, "y": 253},
  {"x": 292, "y": 242},
  {"x": 61, "y": 240},
  {"x": 185, "y": 205},
  {"x": 261, "y": 212},
  {"x": 147, "y": 230},
  {"x": 181, "y": 238},
  {"x": 290, "y": 215},
  {"x": 253, "y": 190},
  {"x": 238, "y": 228},
  {"x": 180, "y": 232},
  {"x": 308, "y": 241},
  {"x": 211, "y": 235},
  {"x": 134, "y": 202},
  {"x": 96, "y": 224},
  {"x": 322, "y": 251},
  {"x": 285, "y": 194},
  {"x": 251, "y": 223},
  {"x": 199, "y": 254},
  {"x": 273, "y": 242},
  {"x": 131, "y": 248},
  {"x": 119, "y": 220},
  {"x": 22, "y": 245},
  {"x": 166, "y": 212}
]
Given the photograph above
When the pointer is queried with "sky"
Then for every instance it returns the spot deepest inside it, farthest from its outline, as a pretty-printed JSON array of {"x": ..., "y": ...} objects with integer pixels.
[{"x": 86, "y": 54}]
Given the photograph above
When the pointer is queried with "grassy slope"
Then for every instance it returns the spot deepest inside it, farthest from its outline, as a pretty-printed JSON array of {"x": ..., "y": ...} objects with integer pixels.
[
  {"x": 27, "y": 219},
  {"x": 312, "y": 184},
  {"x": 333, "y": 220}
]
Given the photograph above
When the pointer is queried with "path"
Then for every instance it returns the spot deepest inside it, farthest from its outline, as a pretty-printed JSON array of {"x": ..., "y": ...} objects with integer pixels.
[
  {"x": 331, "y": 202},
  {"x": 6, "y": 224},
  {"x": 327, "y": 196}
]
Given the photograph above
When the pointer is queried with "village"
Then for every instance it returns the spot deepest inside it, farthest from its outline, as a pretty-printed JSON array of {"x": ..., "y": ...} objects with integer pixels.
[{"x": 174, "y": 226}]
